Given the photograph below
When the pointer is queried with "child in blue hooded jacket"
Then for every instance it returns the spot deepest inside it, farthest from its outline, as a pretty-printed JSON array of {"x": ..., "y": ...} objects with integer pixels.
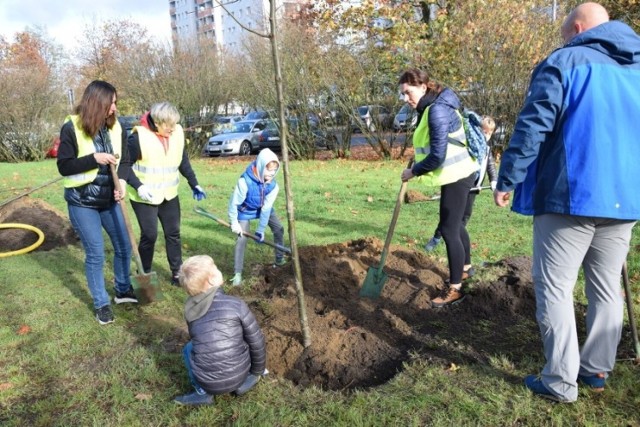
[{"x": 253, "y": 198}]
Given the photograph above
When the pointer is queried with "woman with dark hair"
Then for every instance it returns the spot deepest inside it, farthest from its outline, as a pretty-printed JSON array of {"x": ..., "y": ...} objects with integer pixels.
[
  {"x": 442, "y": 159},
  {"x": 90, "y": 141}
]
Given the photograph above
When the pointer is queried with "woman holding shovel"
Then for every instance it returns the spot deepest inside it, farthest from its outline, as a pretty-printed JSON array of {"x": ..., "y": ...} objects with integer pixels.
[
  {"x": 90, "y": 141},
  {"x": 157, "y": 159},
  {"x": 442, "y": 159}
]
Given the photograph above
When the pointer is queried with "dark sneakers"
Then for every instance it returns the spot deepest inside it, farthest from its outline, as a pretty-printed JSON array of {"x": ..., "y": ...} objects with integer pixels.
[
  {"x": 175, "y": 280},
  {"x": 194, "y": 399},
  {"x": 126, "y": 297},
  {"x": 534, "y": 383},
  {"x": 596, "y": 382},
  {"x": 449, "y": 296},
  {"x": 104, "y": 315}
]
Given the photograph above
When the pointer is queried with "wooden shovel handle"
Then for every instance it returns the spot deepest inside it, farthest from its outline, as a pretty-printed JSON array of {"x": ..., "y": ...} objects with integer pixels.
[{"x": 127, "y": 221}]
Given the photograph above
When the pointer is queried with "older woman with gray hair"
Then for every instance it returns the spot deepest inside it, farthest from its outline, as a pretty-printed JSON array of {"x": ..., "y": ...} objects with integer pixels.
[{"x": 157, "y": 159}]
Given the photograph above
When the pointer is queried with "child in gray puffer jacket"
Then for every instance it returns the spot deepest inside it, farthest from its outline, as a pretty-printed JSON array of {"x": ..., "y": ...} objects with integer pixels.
[{"x": 227, "y": 348}]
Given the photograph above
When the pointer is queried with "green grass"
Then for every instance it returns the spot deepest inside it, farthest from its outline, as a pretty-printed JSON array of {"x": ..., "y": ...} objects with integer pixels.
[{"x": 68, "y": 370}]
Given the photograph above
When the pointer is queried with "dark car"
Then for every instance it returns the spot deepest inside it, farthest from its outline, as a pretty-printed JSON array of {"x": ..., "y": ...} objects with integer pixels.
[
  {"x": 270, "y": 136},
  {"x": 129, "y": 122}
]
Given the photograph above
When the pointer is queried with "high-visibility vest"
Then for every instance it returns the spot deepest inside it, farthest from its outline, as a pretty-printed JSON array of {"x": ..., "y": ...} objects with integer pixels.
[
  {"x": 86, "y": 147},
  {"x": 457, "y": 164},
  {"x": 156, "y": 169}
]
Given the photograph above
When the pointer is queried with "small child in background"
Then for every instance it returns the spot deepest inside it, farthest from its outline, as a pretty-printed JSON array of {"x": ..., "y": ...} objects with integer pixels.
[
  {"x": 227, "y": 349},
  {"x": 488, "y": 167},
  {"x": 253, "y": 198}
]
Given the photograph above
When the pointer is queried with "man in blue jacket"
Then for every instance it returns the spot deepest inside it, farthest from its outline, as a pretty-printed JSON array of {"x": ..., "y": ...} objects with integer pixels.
[{"x": 573, "y": 162}]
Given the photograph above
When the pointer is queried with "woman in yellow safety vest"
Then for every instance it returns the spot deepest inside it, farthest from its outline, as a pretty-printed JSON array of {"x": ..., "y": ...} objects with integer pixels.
[
  {"x": 157, "y": 159},
  {"x": 90, "y": 142},
  {"x": 442, "y": 159}
]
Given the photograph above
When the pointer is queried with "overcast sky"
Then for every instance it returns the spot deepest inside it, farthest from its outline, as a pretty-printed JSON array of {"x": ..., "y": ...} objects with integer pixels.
[{"x": 65, "y": 20}]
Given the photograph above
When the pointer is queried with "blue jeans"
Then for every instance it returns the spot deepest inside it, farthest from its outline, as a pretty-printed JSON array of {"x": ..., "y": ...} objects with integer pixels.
[
  {"x": 88, "y": 223},
  {"x": 186, "y": 355}
]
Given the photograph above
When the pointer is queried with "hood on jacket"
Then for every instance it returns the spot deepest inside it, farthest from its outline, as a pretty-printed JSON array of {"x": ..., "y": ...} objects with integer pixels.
[
  {"x": 265, "y": 157},
  {"x": 614, "y": 39},
  {"x": 449, "y": 98},
  {"x": 198, "y": 305}
]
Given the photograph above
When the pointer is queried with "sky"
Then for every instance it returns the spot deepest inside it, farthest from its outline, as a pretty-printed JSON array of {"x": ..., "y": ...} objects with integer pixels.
[{"x": 65, "y": 20}]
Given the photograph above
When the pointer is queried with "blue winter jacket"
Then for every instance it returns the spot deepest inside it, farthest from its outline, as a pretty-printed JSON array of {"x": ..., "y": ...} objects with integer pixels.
[{"x": 576, "y": 146}]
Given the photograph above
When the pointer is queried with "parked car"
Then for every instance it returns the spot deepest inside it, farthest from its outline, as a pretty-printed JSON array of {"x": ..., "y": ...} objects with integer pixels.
[
  {"x": 406, "y": 119},
  {"x": 128, "y": 123},
  {"x": 221, "y": 123},
  {"x": 52, "y": 152},
  {"x": 259, "y": 115},
  {"x": 372, "y": 117},
  {"x": 236, "y": 140},
  {"x": 270, "y": 136}
]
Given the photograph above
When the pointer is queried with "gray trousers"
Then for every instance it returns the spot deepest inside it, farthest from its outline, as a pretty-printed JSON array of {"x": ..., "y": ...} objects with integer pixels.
[
  {"x": 241, "y": 244},
  {"x": 561, "y": 244}
]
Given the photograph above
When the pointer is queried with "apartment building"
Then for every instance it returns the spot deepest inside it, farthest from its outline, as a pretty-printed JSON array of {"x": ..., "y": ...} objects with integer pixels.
[{"x": 223, "y": 20}]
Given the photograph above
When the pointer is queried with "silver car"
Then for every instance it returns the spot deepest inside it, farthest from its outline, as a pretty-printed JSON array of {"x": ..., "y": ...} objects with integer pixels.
[
  {"x": 406, "y": 119},
  {"x": 237, "y": 140}
]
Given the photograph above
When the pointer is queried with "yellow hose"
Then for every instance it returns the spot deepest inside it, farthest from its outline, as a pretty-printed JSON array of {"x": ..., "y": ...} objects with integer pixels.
[{"x": 24, "y": 227}]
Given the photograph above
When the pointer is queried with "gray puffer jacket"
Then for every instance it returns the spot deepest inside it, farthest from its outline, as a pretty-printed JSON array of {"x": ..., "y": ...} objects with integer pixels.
[{"x": 227, "y": 343}]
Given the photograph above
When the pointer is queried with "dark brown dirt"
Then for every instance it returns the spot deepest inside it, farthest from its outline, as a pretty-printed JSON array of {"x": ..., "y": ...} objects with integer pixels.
[
  {"x": 358, "y": 342},
  {"x": 54, "y": 224}
]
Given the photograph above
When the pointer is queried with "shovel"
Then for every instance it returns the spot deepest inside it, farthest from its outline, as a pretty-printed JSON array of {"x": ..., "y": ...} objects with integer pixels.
[
  {"x": 629, "y": 300},
  {"x": 376, "y": 277},
  {"x": 203, "y": 212},
  {"x": 145, "y": 285}
]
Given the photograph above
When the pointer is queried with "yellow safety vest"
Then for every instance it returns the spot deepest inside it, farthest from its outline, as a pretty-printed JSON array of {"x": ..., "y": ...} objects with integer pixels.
[
  {"x": 457, "y": 164},
  {"x": 86, "y": 147},
  {"x": 156, "y": 169}
]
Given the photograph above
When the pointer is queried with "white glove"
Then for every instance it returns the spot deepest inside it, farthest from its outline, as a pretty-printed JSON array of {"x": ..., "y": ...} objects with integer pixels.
[
  {"x": 493, "y": 185},
  {"x": 145, "y": 193},
  {"x": 235, "y": 227}
]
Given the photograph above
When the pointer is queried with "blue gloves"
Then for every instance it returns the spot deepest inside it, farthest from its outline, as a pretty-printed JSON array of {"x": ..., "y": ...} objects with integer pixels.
[
  {"x": 260, "y": 236},
  {"x": 198, "y": 193}
]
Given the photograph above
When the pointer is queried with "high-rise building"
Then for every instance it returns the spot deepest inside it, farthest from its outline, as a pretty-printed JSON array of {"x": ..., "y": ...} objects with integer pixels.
[{"x": 207, "y": 18}]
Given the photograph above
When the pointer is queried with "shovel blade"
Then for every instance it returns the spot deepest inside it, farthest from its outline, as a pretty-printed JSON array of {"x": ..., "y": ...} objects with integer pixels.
[
  {"x": 373, "y": 283},
  {"x": 146, "y": 287}
]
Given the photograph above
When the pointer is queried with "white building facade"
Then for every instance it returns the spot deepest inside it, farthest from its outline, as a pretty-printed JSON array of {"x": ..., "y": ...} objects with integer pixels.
[{"x": 223, "y": 20}]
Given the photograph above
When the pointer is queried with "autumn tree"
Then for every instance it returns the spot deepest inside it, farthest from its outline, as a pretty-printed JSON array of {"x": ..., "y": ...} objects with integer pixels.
[{"x": 32, "y": 95}]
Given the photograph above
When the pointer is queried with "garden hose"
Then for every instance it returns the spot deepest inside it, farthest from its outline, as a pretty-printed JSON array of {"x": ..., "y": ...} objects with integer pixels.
[{"x": 24, "y": 227}]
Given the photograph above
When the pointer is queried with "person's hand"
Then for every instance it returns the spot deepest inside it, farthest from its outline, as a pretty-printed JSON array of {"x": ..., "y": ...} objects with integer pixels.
[
  {"x": 119, "y": 195},
  {"x": 501, "y": 198},
  {"x": 493, "y": 185},
  {"x": 235, "y": 227},
  {"x": 407, "y": 174},
  {"x": 145, "y": 193},
  {"x": 198, "y": 193},
  {"x": 260, "y": 236},
  {"x": 105, "y": 158}
]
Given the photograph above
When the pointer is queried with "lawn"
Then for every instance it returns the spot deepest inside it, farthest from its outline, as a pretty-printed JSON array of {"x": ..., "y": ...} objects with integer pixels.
[{"x": 61, "y": 368}]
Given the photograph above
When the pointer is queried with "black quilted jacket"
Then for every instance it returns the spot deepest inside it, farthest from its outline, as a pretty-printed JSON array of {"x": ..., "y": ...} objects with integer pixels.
[{"x": 227, "y": 345}]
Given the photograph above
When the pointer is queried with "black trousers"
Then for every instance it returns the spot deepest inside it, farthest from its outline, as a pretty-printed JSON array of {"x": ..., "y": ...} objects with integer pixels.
[
  {"x": 168, "y": 212},
  {"x": 453, "y": 206}
]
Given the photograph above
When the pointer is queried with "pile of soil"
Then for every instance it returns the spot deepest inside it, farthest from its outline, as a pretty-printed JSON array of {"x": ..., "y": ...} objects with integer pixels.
[
  {"x": 54, "y": 224},
  {"x": 360, "y": 342}
]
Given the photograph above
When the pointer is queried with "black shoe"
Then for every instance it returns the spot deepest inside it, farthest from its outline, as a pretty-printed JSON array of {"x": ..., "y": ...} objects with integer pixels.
[
  {"x": 175, "y": 280},
  {"x": 104, "y": 314},
  {"x": 123, "y": 297}
]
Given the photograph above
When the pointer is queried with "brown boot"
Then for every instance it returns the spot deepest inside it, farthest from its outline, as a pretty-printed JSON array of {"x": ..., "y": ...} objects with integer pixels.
[{"x": 449, "y": 296}]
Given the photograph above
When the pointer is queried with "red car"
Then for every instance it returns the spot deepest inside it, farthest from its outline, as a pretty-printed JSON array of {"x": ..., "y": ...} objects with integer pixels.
[{"x": 52, "y": 152}]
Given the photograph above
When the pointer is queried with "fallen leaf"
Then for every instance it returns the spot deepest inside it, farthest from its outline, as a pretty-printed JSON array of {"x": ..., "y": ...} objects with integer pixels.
[
  {"x": 24, "y": 330},
  {"x": 143, "y": 396},
  {"x": 452, "y": 368},
  {"x": 5, "y": 386},
  {"x": 369, "y": 199}
]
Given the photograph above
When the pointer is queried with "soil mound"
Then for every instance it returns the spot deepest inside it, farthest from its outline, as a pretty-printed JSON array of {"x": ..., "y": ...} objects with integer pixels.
[
  {"x": 360, "y": 342},
  {"x": 54, "y": 224}
]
